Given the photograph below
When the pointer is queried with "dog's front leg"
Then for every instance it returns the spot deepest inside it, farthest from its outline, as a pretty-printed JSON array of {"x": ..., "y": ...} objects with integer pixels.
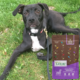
[
  {"x": 21, "y": 48},
  {"x": 42, "y": 57}
]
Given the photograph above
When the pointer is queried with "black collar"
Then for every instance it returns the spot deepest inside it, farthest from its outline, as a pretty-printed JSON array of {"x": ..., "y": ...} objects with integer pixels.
[{"x": 33, "y": 34}]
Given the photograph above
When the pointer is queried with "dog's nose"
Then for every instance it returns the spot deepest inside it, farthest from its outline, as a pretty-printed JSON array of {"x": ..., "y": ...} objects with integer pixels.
[{"x": 31, "y": 20}]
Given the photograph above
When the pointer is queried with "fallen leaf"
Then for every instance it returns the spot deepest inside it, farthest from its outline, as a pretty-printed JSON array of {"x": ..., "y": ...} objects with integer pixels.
[
  {"x": 5, "y": 53},
  {"x": 51, "y": 7},
  {"x": 76, "y": 25},
  {"x": 1, "y": 32},
  {"x": 6, "y": 30},
  {"x": 41, "y": 77}
]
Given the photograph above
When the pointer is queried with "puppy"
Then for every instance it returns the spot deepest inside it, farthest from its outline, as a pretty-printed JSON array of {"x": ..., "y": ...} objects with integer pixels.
[{"x": 35, "y": 18}]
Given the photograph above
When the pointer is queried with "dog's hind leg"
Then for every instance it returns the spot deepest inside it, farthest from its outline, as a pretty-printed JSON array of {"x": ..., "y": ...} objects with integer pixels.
[
  {"x": 60, "y": 28},
  {"x": 63, "y": 33},
  {"x": 21, "y": 48}
]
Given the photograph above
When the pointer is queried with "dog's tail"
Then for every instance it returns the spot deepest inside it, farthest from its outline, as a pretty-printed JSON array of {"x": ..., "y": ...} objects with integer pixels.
[{"x": 64, "y": 14}]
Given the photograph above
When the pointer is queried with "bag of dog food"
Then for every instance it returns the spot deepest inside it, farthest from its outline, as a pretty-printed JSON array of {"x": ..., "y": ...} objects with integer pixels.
[{"x": 65, "y": 63}]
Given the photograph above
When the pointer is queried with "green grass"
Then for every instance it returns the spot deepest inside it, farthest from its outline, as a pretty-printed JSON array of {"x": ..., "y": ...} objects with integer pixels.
[{"x": 27, "y": 66}]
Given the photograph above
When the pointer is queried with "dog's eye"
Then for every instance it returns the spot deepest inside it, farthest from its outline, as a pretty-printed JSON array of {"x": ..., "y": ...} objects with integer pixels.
[
  {"x": 37, "y": 12},
  {"x": 26, "y": 13}
]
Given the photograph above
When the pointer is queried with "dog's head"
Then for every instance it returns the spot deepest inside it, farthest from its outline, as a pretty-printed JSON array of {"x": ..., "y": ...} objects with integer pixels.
[{"x": 32, "y": 14}]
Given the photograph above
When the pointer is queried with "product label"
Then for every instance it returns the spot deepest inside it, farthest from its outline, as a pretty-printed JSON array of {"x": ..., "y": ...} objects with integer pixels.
[{"x": 60, "y": 63}]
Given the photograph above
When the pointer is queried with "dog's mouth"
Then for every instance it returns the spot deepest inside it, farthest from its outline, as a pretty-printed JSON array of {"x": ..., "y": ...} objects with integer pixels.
[{"x": 32, "y": 26}]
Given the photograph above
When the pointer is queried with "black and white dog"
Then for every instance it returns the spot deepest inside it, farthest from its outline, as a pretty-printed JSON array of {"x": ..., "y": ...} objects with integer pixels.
[{"x": 36, "y": 17}]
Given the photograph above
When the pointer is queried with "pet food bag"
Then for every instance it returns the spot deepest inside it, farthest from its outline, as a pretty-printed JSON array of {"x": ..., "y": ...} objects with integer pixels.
[{"x": 65, "y": 63}]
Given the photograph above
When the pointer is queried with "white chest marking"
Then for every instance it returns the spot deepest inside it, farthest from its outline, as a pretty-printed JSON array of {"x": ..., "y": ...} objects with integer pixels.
[
  {"x": 34, "y": 30},
  {"x": 35, "y": 42}
]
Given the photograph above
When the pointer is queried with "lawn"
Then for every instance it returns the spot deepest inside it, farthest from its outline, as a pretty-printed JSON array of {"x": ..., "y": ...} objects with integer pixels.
[{"x": 27, "y": 66}]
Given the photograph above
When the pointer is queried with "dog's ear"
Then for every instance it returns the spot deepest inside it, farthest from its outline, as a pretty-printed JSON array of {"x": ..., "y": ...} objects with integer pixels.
[
  {"x": 45, "y": 7},
  {"x": 19, "y": 9}
]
